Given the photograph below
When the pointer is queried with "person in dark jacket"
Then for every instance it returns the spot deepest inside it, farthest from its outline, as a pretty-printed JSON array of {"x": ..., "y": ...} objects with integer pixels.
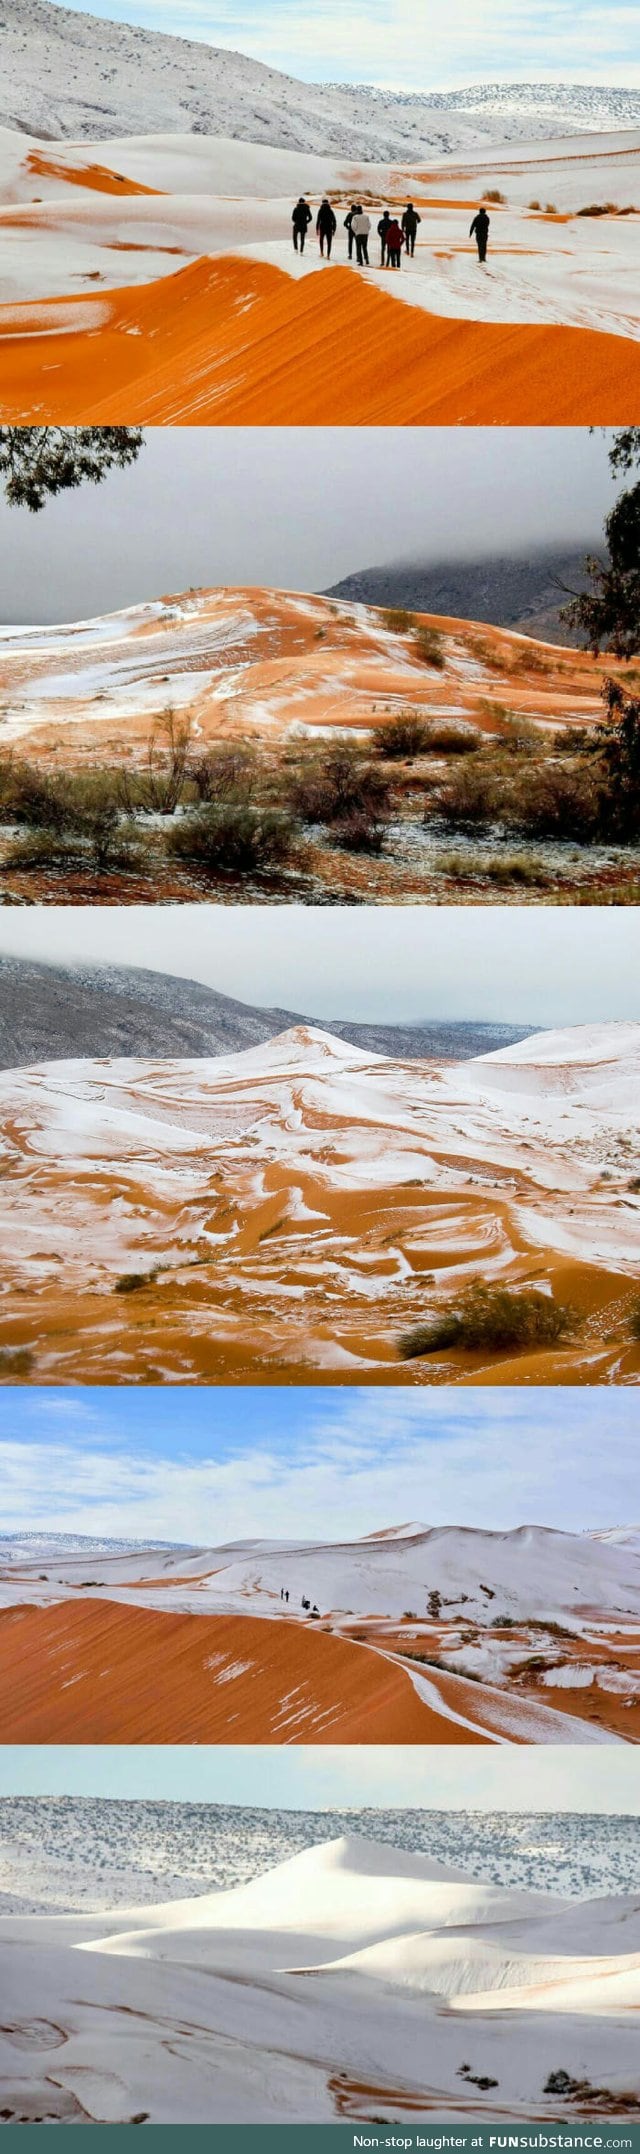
[
  {"x": 395, "y": 243},
  {"x": 480, "y": 228},
  {"x": 349, "y": 228},
  {"x": 325, "y": 227},
  {"x": 383, "y": 227},
  {"x": 410, "y": 221},
  {"x": 300, "y": 219}
]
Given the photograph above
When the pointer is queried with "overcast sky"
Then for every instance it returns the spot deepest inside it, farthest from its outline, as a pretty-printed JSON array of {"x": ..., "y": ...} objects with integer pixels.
[
  {"x": 543, "y": 965},
  {"x": 217, "y": 1466},
  {"x": 436, "y": 1778},
  {"x": 297, "y": 508},
  {"x": 410, "y": 44}
]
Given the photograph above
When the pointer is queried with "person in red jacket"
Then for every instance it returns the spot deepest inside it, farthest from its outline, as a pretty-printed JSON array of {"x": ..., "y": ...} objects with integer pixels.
[{"x": 394, "y": 243}]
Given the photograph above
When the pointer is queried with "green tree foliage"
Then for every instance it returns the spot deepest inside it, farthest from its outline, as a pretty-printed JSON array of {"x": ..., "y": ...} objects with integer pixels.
[
  {"x": 38, "y": 462},
  {"x": 608, "y": 615}
]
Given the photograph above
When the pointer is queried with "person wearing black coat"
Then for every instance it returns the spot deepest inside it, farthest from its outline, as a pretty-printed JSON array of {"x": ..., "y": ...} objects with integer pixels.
[
  {"x": 410, "y": 221},
  {"x": 480, "y": 228},
  {"x": 349, "y": 228},
  {"x": 300, "y": 219},
  {"x": 325, "y": 227},
  {"x": 383, "y": 226}
]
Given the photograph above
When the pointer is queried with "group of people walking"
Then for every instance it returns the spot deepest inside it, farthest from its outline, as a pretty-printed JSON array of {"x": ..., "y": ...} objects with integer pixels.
[{"x": 394, "y": 234}]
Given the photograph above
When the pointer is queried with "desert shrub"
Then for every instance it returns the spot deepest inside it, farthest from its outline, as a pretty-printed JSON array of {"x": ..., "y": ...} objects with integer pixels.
[
  {"x": 427, "y": 644},
  {"x": 403, "y": 737},
  {"x": 444, "y": 737},
  {"x": 167, "y": 756},
  {"x": 501, "y": 868},
  {"x": 551, "y": 209},
  {"x": 131, "y": 1282},
  {"x": 397, "y": 619},
  {"x": 334, "y": 786},
  {"x": 634, "y": 1320},
  {"x": 559, "y": 802},
  {"x": 491, "y": 1317},
  {"x": 16, "y": 1360},
  {"x": 98, "y": 840},
  {"x": 493, "y": 195},
  {"x": 227, "y": 772},
  {"x": 603, "y": 209},
  {"x": 359, "y": 832},
  {"x": 535, "y": 205},
  {"x": 233, "y": 838},
  {"x": 471, "y": 795}
]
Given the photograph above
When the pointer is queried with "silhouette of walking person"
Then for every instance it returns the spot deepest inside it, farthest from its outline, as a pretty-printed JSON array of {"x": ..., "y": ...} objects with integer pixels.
[
  {"x": 410, "y": 221},
  {"x": 383, "y": 228},
  {"x": 349, "y": 228},
  {"x": 480, "y": 229},
  {"x": 300, "y": 219},
  {"x": 325, "y": 227}
]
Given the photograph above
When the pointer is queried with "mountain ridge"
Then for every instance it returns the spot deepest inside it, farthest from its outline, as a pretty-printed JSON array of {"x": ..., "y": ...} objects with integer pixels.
[
  {"x": 54, "y": 1012},
  {"x": 73, "y": 74}
]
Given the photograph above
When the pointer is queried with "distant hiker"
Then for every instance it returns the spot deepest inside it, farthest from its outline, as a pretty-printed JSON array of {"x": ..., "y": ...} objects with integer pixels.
[
  {"x": 361, "y": 227},
  {"x": 410, "y": 222},
  {"x": 395, "y": 243},
  {"x": 305, "y": 1603},
  {"x": 326, "y": 225},
  {"x": 480, "y": 228},
  {"x": 286, "y": 1595},
  {"x": 383, "y": 228},
  {"x": 282, "y": 1593},
  {"x": 349, "y": 228},
  {"x": 300, "y": 219}
]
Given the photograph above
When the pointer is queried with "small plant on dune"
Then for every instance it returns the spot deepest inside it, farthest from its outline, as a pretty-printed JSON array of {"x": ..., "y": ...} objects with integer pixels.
[
  {"x": 493, "y": 195},
  {"x": 489, "y": 1317},
  {"x": 131, "y": 1282},
  {"x": 403, "y": 737},
  {"x": 397, "y": 619},
  {"x": 634, "y": 1321},
  {"x": 551, "y": 209},
  {"x": 535, "y": 205},
  {"x": 16, "y": 1361},
  {"x": 428, "y": 645},
  {"x": 471, "y": 795},
  {"x": 232, "y": 838}
]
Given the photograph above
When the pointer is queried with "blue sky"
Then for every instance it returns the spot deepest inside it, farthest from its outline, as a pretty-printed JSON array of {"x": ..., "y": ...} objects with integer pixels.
[
  {"x": 219, "y": 1465},
  {"x": 434, "y": 1779},
  {"x": 410, "y": 44}
]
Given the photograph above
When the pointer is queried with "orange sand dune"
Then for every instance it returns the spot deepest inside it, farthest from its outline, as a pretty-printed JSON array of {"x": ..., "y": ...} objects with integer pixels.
[
  {"x": 98, "y": 178},
  {"x": 97, "y": 1672},
  {"x": 235, "y": 342}
]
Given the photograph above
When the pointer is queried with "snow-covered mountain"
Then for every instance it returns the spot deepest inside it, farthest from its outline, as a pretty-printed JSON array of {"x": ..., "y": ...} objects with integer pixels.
[{"x": 77, "y": 75}]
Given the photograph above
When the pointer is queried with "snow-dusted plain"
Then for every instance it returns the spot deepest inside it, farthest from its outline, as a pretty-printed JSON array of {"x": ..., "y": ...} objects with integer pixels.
[
  {"x": 527, "y": 1635},
  {"x": 374, "y": 1983},
  {"x": 335, "y": 1195}
]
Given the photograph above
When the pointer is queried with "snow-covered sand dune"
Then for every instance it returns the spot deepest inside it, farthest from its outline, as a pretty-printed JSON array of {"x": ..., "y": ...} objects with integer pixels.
[
  {"x": 354, "y": 1980},
  {"x": 158, "y": 273},
  {"x": 523, "y": 1636},
  {"x": 270, "y": 666},
  {"x": 336, "y": 1195}
]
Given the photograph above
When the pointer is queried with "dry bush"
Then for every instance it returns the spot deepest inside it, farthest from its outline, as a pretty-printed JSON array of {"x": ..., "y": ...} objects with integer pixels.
[{"x": 495, "y": 1317}]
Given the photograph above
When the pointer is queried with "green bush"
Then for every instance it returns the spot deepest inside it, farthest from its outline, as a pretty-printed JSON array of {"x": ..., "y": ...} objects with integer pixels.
[
  {"x": 402, "y": 737},
  {"x": 232, "y": 839},
  {"x": 337, "y": 785},
  {"x": 428, "y": 645},
  {"x": 491, "y": 1317}
]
